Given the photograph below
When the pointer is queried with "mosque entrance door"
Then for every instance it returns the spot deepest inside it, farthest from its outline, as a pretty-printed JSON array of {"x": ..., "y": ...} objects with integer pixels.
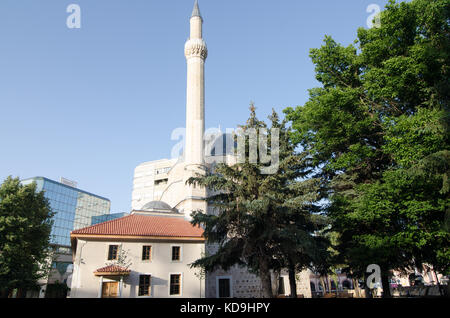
[{"x": 110, "y": 290}]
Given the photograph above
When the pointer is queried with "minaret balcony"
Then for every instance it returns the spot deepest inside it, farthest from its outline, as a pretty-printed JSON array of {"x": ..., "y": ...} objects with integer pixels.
[{"x": 196, "y": 48}]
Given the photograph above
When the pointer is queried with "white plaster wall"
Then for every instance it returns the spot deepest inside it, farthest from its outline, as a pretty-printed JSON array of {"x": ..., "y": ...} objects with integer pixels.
[{"x": 91, "y": 255}]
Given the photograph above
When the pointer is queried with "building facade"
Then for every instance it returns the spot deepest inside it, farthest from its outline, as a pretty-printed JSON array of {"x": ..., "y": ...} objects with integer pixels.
[
  {"x": 143, "y": 255},
  {"x": 74, "y": 208}
]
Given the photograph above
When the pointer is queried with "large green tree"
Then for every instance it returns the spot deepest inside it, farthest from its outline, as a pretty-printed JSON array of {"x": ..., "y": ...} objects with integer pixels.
[
  {"x": 298, "y": 221},
  {"x": 25, "y": 225},
  {"x": 263, "y": 221},
  {"x": 377, "y": 130}
]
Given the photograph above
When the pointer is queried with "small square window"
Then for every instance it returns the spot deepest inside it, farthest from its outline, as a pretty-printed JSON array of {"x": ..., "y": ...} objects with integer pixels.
[
  {"x": 175, "y": 284},
  {"x": 224, "y": 288},
  {"x": 176, "y": 253},
  {"x": 144, "y": 285},
  {"x": 113, "y": 252},
  {"x": 146, "y": 253}
]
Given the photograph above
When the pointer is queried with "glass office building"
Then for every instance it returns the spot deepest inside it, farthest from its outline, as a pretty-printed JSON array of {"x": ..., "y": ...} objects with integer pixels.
[
  {"x": 107, "y": 217},
  {"x": 74, "y": 208}
]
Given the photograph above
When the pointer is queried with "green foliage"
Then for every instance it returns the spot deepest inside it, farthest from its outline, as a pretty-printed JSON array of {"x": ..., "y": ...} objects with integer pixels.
[
  {"x": 122, "y": 260},
  {"x": 25, "y": 225},
  {"x": 56, "y": 290},
  {"x": 377, "y": 131},
  {"x": 410, "y": 139}
]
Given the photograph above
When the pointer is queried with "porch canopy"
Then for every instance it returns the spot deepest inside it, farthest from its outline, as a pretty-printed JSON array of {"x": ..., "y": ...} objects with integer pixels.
[{"x": 112, "y": 270}]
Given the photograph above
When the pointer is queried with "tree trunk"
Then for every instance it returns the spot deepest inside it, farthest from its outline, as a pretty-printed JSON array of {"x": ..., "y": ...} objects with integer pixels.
[
  {"x": 438, "y": 283},
  {"x": 276, "y": 279},
  {"x": 336, "y": 285},
  {"x": 356, "y": 288},
  {"x": 21, "y": 293},
  {"x": 329, "y": 284},
  {"x": 266, "y": 280},
  {"x": 322, "y": 282},
  {"x": 292, "y": 282},
  {"x": 386, "y": 285},
  {"x": 4, "y": 293}
]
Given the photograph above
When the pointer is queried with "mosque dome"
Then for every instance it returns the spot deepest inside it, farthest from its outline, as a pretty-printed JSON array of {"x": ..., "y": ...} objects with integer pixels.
[{"x": 158, "y": 206}]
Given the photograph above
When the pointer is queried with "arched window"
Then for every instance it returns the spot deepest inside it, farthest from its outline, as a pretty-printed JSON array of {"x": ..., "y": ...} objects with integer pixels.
[
  {"x": 346, "y": 284},
  {"x": 333, "y": 285},
  {"x": 415, "y": 279},
  {"x": 313, "y": 287}
]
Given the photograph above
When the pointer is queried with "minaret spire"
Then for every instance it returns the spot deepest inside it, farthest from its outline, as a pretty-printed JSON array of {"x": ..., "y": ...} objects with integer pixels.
[
  {"x": 196, "y": 10},
  {"x": 196, "y": 22},
  {"x": 194, "y": 154},
  {"x": 196, "y": 52}
]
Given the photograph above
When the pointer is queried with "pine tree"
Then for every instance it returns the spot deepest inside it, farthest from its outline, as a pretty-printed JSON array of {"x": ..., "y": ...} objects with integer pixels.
[{"x": 261, "y": 220}]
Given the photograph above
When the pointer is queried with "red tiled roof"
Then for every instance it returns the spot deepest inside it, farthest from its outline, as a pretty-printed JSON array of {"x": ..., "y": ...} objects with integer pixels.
[
  {"x": 144, "y": 225},
  {"x": 112, "y": 269}
]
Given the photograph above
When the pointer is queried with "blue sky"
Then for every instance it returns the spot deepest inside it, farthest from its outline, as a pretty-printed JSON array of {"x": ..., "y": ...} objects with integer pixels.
[{"x": 91, "y": 104}]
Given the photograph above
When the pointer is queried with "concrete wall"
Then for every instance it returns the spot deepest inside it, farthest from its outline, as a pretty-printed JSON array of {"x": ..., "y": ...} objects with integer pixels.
[
  {"x": 91, "y": 255},
  {"x": 247, "y": 285},
  {"x": 145, "y": 174},
  {"x": 417, "y": 291}
]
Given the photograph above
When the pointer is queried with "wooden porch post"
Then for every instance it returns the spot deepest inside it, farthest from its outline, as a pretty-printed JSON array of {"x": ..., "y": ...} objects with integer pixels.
[
  {"x": 101, "y": 287},
  {"x": 120, "y": 286}
]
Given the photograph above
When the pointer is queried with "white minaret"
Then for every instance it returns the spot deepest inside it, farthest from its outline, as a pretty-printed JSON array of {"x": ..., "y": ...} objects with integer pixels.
[
  {"x": 170, "y": 186},
  {"x": 196, "y": 52}
]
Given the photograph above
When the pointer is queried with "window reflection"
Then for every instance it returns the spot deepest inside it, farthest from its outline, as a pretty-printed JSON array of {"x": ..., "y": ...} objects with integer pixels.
[{"x": 73, "y": 208}]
